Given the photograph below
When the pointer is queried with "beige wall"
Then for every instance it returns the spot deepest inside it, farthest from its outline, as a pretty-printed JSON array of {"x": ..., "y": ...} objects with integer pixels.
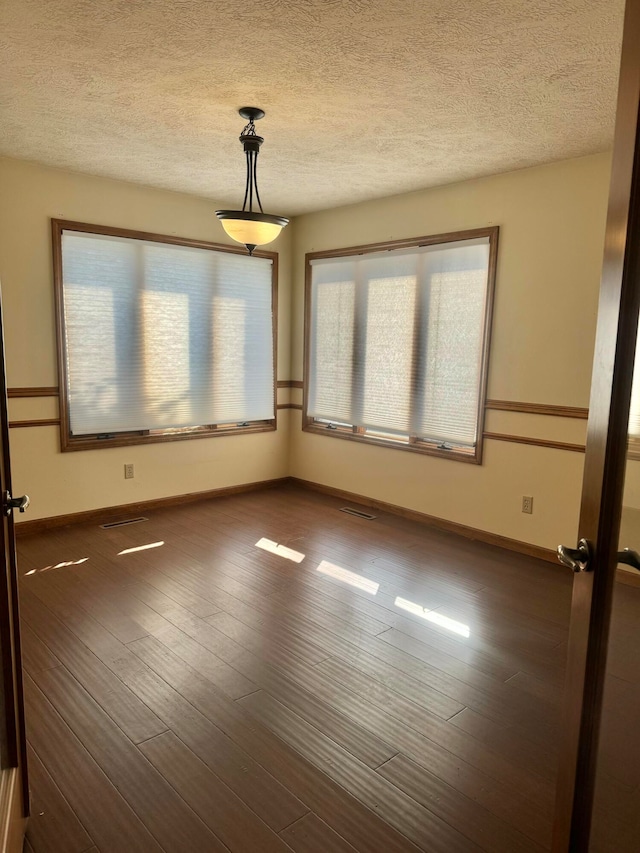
[
  {"x": 551, "y": 222},
  {"x": 552, "y": 226},
  {"x": 71, "y": 482}
]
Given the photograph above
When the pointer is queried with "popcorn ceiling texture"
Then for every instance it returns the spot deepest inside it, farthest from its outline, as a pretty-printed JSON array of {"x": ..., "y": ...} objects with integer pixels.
[{"x": 364, "y": 98}]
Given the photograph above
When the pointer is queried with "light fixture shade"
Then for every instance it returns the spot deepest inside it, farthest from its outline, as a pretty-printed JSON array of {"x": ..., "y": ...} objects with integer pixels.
[{"x": 252, "y": 229}]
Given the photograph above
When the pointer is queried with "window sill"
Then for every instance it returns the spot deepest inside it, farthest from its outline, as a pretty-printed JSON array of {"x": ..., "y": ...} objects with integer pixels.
[
  {"x": 456, "y": 454},
  {"x": 69, "y": 443}
]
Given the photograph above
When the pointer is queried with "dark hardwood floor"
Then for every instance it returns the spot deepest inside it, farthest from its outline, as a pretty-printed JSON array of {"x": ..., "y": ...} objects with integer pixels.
[{"x": 345, "y": 685}]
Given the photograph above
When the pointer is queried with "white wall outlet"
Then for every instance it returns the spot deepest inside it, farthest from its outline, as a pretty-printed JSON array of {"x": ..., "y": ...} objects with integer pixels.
[
  {"x": 527, "y": 503},
  {"x": 128, "y": 471}
]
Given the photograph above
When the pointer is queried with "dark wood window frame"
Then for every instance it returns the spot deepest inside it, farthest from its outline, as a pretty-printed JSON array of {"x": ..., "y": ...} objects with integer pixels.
[
  {"x": 411, "y": 443},
  {"x": 68, "y": 442}
]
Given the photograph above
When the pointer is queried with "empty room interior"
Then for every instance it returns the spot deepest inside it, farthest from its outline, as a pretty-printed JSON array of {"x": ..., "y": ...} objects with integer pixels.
[{"x": 319, "y": 322}]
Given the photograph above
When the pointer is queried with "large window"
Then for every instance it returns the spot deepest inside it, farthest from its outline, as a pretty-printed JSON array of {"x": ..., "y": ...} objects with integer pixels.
[
  {"x": 397, "y": 342},
  {"x": 161, "y": 338}
]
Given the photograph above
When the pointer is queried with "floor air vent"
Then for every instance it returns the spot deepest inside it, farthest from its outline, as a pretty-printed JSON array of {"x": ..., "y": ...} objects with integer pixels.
[
  {"x": 357, "y": 512},
  {"x": 122, "y": 523}
]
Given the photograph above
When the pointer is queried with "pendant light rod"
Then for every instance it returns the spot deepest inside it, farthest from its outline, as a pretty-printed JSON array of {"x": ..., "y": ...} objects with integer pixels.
[
  {"x": 251, "y": 143},
  {"x": 255, "y": 182}
]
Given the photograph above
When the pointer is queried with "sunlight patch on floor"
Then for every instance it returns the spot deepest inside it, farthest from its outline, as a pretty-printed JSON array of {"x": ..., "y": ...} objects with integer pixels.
[
  {"x": 434, "y": 617},
  {"x": 61, "y": 565},
  {"x": 280, "y": 550},
  {"x": 348, "y": 577},
  {"x": 140, "y": 548}
]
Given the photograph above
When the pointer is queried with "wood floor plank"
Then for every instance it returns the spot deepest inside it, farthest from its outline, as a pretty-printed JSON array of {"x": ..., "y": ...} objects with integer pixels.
[
  {"x": 96, "y": 586},
  {"x": 510, "y": 741},
  {"x": 64, "y": 587},
  {"x": 495, "y": 636},
  {"x": 298, "y": 635},
  {"x": 496, "y": 700},
  {"x": 436, "y": 748},
  {"x": 287, "y": 641},
  {"x": 312, "y": 835},
  {"x": 420, "y": 825},
  {"x": 432, "y": 742},
  {"x": 366, "y": 746},
  {"x": 526, "y": 647},
  {"x": 165, "y": 814},
  {"x": 522, "y": 781},
  {"x": 277, "y": 805},
  {"x": 478, "y": 824},
  {"x": 219, "y": 808},
  {"x": 233, "y": 578},
  {"x": 35, "y": 654},
  {"x": 142, "y": 568},
  {"x": 465, "y": 672},
  {"x": 124, "y": 707},
  {"x": 81, "y": 781},
  {"x": 536, "y": 688},
  {"x": 162, "y": 604},
  {"x": 500, "y": 661},
  {"x": 220, "y": 575},
  {"x": 487, "y": 618},
  {"x": 305, "y": 599},
  {"x": 53, "y": 826},
  {"x": 107, "y": 610},
  {"x": 329, "y": 800},
  {"x": 216, "y": 670},
  {"x": 542, "y": 607}
]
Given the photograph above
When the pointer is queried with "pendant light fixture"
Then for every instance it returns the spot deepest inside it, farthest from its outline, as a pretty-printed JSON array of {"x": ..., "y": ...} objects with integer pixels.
[{"x": 248, "y": 226}]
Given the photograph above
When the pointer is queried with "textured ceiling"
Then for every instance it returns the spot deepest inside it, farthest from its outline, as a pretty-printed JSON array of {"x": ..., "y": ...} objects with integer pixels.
[{"x": 364, "y": 98}]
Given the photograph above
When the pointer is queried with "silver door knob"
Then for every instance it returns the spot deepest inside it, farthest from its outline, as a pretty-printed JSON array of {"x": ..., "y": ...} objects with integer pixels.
[
  {"x": 577, "y": 559},
  {"x": 9, "y": 503}
]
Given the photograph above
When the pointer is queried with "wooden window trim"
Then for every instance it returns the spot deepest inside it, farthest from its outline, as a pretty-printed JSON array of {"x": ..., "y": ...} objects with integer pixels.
[
  {"x": 413, "y": 445},
  {"x": 125, "y": 439}
]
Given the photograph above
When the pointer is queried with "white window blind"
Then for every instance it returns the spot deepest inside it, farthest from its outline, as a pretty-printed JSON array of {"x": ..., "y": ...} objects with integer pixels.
[
  {"x": 162, "y": 336},
  {"x": 396, "y": 340}
]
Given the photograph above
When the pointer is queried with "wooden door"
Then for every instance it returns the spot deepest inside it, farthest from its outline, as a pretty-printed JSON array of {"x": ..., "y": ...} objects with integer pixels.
[
  {"x": 14, "y": 797},
  {"x": 595, "y": 561}
]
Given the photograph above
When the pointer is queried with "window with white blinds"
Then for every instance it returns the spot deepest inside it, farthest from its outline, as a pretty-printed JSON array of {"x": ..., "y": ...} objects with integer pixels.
[
  {"x": 397, "y": 342},
  {"x": 163, "y": 337}
]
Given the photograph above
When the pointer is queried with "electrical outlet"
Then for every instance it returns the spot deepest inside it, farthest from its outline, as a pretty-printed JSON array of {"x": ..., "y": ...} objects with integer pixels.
[
  {"x": 527, "y": 503},
  {"x": 128, "y": 471}
]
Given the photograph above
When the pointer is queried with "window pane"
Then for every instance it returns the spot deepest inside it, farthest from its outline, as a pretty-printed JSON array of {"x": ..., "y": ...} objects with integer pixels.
[
  {"x": 176, "y": 338},
  {"x": 455, "y": 285},
  {"x": 387, "y": 344},
  {"x": 331, "y": 344},
  {"x": 100, "y": 282},
  {"x": 165, "y": 319},
  {"x": 242, "y": 381}
]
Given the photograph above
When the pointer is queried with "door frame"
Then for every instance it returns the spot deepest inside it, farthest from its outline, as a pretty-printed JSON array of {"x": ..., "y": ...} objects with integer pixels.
[
  {"x": 14, "y": 783},
  {"x": 605, "y": 461}
]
